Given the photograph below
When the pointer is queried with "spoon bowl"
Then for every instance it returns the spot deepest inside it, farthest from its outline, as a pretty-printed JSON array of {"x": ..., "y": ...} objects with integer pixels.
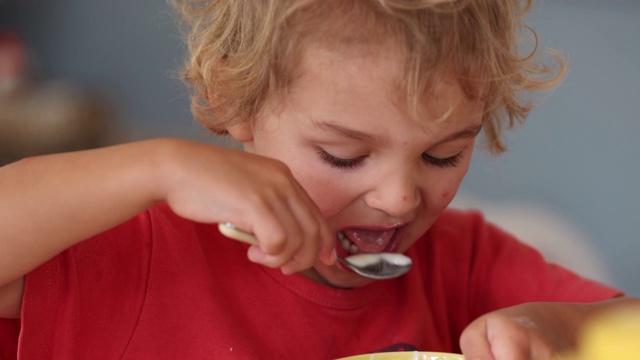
[
  {"x": 370, "y": 265},
  {"x": 378, "y": 265}
]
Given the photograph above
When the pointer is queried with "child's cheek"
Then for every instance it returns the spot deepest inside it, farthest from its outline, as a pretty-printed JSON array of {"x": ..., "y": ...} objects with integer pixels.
[{"x": 445, "y": 194}]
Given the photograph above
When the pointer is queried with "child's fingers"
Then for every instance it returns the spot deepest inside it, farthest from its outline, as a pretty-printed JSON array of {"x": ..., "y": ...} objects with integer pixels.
[
  {"x": 307, "y": 232},
  {"x": 499, "y": 337},
  {"x": 296, "y": 252},
  {"x": 327, "y": 252},
  {"x": 281, "y": 237},
  {"x": 320, "y": 240},
  {"x": 298, "y": 246},
  {"x": 474, "y": 341},
  {"x": 289, "y": 228}
]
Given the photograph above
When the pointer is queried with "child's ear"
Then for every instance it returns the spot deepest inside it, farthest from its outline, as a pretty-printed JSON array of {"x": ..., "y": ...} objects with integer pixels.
[{"x": 241, "y": 132}]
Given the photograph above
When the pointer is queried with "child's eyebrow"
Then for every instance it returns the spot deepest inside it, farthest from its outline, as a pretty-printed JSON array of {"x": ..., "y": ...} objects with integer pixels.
[
  {"x": 346, "y": 132},
  {"x": 467, "y": 133}
]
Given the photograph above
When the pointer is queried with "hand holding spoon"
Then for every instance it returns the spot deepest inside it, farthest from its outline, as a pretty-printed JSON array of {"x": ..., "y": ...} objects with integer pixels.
[{"x": 370, "y": 265}]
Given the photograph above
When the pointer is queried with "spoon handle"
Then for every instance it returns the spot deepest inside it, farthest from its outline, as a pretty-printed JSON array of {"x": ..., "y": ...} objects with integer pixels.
[{"x": 229, "y": 230}]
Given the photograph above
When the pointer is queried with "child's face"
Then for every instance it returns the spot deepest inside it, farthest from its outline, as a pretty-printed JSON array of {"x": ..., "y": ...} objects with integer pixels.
[{"x": 379, "y": 177}]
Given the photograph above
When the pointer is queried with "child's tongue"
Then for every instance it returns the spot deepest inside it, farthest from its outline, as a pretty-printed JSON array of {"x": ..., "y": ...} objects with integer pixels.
[{"x": 369, "y": 241}]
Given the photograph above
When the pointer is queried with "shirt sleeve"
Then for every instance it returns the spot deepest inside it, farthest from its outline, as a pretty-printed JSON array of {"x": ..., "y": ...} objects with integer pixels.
[
  {"x": 506, "y": 272},
  {"x": 483, "y": 269},
  {"x": 107, "y": 272},
  {"x": 9, "y": 330}
]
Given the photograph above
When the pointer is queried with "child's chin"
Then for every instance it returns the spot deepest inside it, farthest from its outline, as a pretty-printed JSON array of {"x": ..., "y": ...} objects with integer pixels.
[{"x": 338, "y": 277}]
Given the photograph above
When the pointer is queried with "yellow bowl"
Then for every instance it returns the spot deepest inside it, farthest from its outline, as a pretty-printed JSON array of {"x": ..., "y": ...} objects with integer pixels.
[{"x": 406, "y": 355}]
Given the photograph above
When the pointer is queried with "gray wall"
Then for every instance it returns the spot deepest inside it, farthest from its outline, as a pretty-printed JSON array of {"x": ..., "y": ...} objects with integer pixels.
[
  {"x": 130, "y": 50},
  {"x": 577, "y": 154}
]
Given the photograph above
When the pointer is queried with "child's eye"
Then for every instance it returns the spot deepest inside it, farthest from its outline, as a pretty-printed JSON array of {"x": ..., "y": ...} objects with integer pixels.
[
  {"x": 339, "y": 162},
  {"x": 442, "y": 162}
]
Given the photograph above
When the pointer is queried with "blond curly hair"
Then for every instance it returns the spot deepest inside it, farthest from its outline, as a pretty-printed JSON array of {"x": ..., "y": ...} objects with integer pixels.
[{"x": 243, "y": 53}]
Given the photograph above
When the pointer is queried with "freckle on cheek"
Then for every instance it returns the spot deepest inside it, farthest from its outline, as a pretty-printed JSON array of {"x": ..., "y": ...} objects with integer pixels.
[{"x": 445, "y": 194}]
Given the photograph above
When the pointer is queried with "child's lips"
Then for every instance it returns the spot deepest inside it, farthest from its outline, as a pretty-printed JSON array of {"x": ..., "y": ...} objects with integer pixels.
[{"x": 355, "y": 240}]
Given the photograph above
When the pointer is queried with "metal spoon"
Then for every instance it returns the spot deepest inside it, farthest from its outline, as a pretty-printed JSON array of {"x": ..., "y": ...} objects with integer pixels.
[{"x": 370, "y": 265}]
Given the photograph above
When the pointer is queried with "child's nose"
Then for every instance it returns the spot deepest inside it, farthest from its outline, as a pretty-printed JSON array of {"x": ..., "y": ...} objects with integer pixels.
[{"x": 397, "y": 196}]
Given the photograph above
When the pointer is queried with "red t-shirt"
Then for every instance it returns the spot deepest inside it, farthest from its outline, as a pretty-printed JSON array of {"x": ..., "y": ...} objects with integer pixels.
[{"x": 161, "y": 287}]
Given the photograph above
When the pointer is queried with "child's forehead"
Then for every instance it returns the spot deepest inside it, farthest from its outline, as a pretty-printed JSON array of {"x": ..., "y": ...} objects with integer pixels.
[{"x": 351, "y": 75}]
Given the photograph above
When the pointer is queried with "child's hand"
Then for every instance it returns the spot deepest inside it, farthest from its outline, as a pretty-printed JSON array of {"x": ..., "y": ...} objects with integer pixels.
[
  {"x": 528, "y": 331},
  {"x": 259, "y": 195}
]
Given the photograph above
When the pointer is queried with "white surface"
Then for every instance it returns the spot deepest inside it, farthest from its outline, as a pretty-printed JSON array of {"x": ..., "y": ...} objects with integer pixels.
[{"x": 554, "y": 234}]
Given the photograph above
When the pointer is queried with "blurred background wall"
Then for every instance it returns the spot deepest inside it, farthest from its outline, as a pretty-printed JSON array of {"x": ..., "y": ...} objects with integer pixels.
[{"x": 572, "y": 169}]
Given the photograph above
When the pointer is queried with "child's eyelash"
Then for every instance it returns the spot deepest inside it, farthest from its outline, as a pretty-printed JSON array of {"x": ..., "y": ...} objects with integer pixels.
[
  {"x": 443, "y": 162},
  {"x": 339, "y": 162},
  {"x": 355, "y": 162}
]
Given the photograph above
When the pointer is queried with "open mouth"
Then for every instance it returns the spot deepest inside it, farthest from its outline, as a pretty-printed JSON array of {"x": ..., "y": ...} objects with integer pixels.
[{"x": 357, "y": 241}]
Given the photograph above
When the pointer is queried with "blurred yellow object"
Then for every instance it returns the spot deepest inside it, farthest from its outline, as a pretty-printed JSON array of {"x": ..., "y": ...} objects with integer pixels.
[{"x": 613, "y": 335}]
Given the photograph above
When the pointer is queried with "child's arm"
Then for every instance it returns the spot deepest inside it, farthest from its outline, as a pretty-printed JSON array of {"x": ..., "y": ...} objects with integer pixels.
[
  {"x": 52, "y": 202},
  {"x": 532, "y": 330}
]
